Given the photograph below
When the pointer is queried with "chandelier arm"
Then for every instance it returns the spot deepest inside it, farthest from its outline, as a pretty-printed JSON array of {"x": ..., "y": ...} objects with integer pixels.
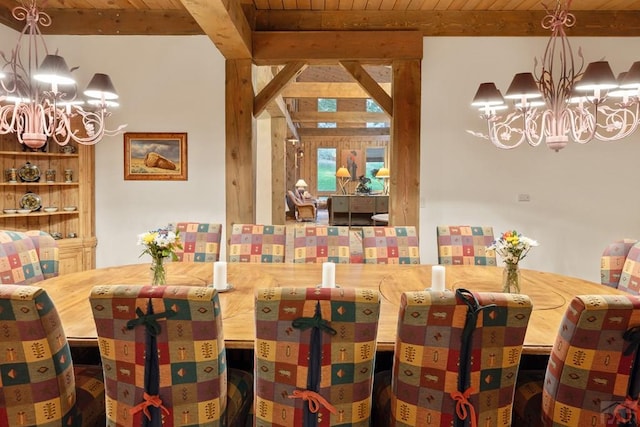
[
  {"x": 533, "y": 135},
  {"x": 502, "y": 130},
  {"x": 619, "y": 122}
]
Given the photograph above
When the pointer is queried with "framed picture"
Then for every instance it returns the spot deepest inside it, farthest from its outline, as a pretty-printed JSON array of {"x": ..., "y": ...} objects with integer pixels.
[
  {"x": 155, "y": 156},
  {"x": 353, "y": 160}
]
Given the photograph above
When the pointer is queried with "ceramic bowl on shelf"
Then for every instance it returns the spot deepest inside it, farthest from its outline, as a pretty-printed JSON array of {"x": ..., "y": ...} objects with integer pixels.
[
  {"x": 50, "y": 209},
  {"x": 69, "y": 208},
  {"x": 9, "y": 211},
  {"x": 24, "y": 211}
]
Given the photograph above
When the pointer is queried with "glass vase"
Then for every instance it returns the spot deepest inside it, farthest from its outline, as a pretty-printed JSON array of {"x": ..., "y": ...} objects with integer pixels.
[
  {"x": 511, "y": 278},
  {"x": 158, "y": 274}
]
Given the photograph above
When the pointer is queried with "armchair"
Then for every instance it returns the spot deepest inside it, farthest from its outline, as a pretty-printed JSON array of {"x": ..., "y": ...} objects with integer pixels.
[{"x": 304, "y": 211}]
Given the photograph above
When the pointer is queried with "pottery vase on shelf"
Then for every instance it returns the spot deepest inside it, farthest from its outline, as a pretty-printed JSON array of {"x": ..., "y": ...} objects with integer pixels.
[{"x": 511, "y": 278}]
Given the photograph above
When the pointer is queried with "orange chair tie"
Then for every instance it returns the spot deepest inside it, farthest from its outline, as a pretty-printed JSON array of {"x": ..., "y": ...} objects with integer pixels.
[
  {"x": 462, "y": 403},
  {"x": 148, "y": 401},
  {"x": 624, "y": 411},
  {"x": 315, "y": 400}
]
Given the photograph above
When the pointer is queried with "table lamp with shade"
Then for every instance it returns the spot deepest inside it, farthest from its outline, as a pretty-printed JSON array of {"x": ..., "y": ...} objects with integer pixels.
[
  {"x": 383, "y": 174},
  {"x": 343, "y": 176},
  {"x": 301, "y": 187}
]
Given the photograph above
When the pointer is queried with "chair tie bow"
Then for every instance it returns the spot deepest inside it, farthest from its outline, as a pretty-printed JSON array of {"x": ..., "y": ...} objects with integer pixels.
[
  {"x": 316, "y": 321},
  {"x": 462, "y": 403},
  {"x": 149, "y": 400},
  {"x": 626, "y": 411},
  {"x": 150, "y": 321},
  {"x": 314, "y": 399},
  {"x": 632, "y": 335}
]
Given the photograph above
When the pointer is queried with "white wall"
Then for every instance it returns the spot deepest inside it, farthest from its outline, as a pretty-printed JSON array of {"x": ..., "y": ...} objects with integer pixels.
[
  {"x": 581, "y": 198},
  {"x": 166, "y": 84}
]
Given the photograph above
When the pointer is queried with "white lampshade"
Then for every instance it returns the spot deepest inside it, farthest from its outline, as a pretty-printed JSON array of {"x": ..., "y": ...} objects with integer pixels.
[{"x": 301, "y": 183}]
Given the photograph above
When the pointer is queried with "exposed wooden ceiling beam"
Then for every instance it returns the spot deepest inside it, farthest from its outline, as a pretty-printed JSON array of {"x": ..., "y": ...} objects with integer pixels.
[
  {"x": 275, "y": 86},
  {"x": 276, "y": 107},
  {"x": 114, "y": 22},
  {"x": 279, "y": 47},
  {"x": 369, "y": 84},
  {"x": 622, "y": 23},
  {"x": 340, "y": 117},
  {"x": 331, "y": 132},
  {"x": 225, "y": 24},
  {"x": 328, "y": 90}
]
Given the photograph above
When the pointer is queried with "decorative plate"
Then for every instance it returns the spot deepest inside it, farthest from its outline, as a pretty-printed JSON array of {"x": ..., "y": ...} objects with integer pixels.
[
  {"x": 29, "y": 173},
  {"x": 31, "y": 201}
]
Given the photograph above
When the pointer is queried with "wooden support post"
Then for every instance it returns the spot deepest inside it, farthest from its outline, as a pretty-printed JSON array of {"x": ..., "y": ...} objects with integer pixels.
[
  {"x": 278, "y": 174},
  {"x": 404, "y": 191},
  {"x": 240, "y": 130}
]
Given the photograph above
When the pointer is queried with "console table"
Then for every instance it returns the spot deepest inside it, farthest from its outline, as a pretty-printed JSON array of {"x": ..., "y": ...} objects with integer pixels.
[{"x": 356, "y": 210}]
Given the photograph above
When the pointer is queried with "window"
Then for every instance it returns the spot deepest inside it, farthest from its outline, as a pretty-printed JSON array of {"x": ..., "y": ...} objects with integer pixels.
[
  {"x": 372, "y": 107},
  {"x": 326, "y": 169},
  {"x": 327, "y": 105},
  {"x": 374, "y": 161}
]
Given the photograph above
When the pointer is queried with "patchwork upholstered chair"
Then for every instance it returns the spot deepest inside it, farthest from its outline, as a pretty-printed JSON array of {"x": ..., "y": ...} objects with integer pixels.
[
  {"x": 19, "y": 263},
  {"x": 200, "y": 241},
  {"x": 456, "y": 359},
  {"x": 320, "y": 243},
  {"x": 257, "y": 243},
  {"x": 465, "y": 245},
  {"x": 163, "y": 354},
  {"x": 630, "y": 276},
  {"x": 40, "y": 386},
  {"x": 48, "y": 252},
  {"x": 314, "y": 356},
  {"x": 592, "y": 376},
  {"x": 390, "y": 245},
  {"x": 612, "y": 261}
]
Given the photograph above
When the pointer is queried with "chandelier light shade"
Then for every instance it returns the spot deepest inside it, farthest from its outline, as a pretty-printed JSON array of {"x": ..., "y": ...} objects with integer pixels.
[
  {"x": 561, "y": 102},
  {"x": 343, "y": 176},
  {"x": 40, "y": 103}
]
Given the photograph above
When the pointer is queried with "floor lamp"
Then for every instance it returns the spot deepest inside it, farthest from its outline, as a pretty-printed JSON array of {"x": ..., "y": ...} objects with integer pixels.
[{"x": 343, "y": 176}]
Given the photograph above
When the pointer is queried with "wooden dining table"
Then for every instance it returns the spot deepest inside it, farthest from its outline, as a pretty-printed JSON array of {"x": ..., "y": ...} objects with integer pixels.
[{"x": 550, "y": 294}]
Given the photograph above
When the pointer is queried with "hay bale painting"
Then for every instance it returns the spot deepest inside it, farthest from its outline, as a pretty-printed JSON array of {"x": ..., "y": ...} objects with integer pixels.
[{"x": 155, "y": 156}]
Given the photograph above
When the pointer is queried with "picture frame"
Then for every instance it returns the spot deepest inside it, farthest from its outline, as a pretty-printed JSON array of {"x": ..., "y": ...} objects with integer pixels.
[
  {"x": 160, "y": 156},
  {"x": 353, "y": 160}
]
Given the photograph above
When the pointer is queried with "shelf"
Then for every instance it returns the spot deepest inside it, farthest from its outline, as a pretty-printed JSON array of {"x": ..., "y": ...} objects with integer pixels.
[
  {"x": 32, "y": 214},
  {"x": 37, "y": 154},
  {"x": 50, "y": 184}
]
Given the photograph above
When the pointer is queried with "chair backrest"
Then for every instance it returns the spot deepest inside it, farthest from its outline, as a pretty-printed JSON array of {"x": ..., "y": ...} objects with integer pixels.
[
  {"x": 181, "y": 328},
  {"x": 320, "y": 243},
  {"x": 390, "y": 245},
  {"x": 19, "y": 263},
  {"x": 257, "y": 243},
  {"x": 630, "y": 276},
  {"x": 315, "y": 344},
  {"x": 465, "y": 245},
  {"x": 48, "y": 252},
  {"x": 589, "y": 370},
  {"x": 612, "y": 261},
  {"x": 38, "y": 383},
  {"x": 457, "y": 350},
  {"x": 200, "y": 241}
]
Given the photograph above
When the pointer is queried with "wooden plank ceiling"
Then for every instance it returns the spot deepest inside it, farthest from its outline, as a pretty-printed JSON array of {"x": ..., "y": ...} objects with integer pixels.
[{"x": 238, "y": 26}]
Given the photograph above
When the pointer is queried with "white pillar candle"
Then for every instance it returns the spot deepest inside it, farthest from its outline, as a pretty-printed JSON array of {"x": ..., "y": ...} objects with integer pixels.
[
  {"x": 328, "y": 275},
  {"x": 437, "y": 278},
  {"x": 220, "y": 275}
]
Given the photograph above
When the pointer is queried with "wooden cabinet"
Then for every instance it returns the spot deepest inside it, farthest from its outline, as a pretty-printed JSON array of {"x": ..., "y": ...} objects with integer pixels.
[
  {"x": 356, "y": 210},
  {"x": 75, "y": 228}
]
